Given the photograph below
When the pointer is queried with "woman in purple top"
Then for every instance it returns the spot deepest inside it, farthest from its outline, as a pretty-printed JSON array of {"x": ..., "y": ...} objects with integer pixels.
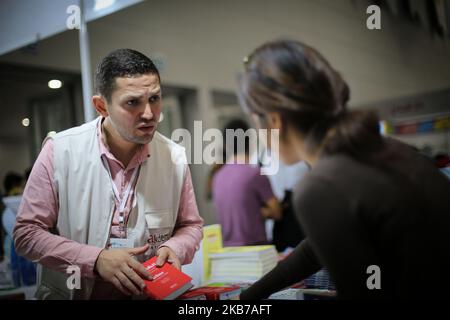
[{"x": 243, "y": 198}]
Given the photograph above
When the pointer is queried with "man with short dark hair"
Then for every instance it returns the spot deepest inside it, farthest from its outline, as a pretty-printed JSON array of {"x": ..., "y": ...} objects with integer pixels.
[
  {"x": 13, "y": 184},
  {"x": 111, "y": 192}
]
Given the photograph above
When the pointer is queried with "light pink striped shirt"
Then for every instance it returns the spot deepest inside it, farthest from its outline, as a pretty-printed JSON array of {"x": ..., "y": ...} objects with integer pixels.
[{"x": 38, "y": 214}]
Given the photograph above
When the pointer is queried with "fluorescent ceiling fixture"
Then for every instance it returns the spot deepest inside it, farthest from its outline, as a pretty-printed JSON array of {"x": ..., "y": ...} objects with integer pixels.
[
  {"x": 25, "y": 122},
  {"x": 54, "y": 84},
  {"x": 102, "y": 4}
]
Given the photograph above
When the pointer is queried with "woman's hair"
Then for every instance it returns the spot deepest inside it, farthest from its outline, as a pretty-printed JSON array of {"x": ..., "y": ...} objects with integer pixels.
[{"x": 296, "y": 81}]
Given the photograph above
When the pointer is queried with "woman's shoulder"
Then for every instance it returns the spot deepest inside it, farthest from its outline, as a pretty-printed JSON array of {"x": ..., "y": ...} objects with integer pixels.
[{"x": 335, "y": 177}]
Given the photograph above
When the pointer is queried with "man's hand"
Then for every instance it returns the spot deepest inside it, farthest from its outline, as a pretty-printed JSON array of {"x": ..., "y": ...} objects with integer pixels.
[
  {"x": 272, "y": 209},
  {"x": 120, "y": 268},
  {"x": 166, "y": 254}
]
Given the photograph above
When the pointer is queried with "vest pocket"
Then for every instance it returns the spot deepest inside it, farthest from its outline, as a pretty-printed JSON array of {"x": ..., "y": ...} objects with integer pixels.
[{"x": 160, "y": 226}]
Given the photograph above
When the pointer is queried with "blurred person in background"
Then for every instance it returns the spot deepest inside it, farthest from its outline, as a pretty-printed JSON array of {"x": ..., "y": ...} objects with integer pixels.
[
  {"x": 13, "y": 184},
  {"x": 2, "y": 230},
  {"x": 285, "y": 233},
  {"x": 23, "y": 271},
  {"x": 242, "y": 196},
  {"x": 368, "y": 201}
]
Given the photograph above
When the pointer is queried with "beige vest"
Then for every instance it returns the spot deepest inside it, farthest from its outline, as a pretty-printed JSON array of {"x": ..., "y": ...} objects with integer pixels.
[{"x": 86, "y": 200}]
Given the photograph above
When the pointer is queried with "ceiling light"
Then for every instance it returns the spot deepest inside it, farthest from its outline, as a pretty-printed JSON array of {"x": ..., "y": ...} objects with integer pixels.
[
  {"x": 54, "y": 84},
  {"x": 25, "y": 122}
]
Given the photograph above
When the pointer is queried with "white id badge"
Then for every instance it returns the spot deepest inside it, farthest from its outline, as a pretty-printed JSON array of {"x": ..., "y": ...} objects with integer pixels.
[{"x": 119, "y": 243}]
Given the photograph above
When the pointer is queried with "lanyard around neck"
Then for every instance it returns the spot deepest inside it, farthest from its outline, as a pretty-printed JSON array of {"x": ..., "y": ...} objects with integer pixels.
[{"x": 122, "y": 200}]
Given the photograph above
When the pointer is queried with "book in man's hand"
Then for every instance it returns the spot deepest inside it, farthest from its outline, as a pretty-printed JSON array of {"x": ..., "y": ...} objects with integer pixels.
[{"x": 168, "y": 282}]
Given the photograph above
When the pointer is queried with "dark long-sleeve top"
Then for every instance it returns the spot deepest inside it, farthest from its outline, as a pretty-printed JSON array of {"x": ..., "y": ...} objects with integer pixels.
[{"x": 392, "y": 211}]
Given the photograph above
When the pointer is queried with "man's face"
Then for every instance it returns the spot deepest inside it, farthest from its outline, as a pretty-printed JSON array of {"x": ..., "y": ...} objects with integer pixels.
[{"x": 135, "y": 107}]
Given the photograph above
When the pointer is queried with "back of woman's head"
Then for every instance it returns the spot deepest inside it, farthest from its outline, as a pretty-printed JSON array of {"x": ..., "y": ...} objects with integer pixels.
[{"x": 296, "y": 81}]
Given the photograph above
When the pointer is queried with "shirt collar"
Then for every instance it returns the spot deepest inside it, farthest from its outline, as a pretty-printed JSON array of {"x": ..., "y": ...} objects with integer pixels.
[{"x": 142, "y": 154}]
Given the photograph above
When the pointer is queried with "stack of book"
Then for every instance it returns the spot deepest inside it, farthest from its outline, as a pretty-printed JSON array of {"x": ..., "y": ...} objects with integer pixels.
[
  {"x": 212, "y": 293},
  {"x": 242, "y": 264},
  {"x": 303, "y": 294},
  {"x": 320, "y": 280},
  {"x": 200, "y": 268}
]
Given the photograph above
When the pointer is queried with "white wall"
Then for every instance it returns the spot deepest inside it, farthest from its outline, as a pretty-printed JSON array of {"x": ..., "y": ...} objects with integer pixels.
[
  {"x": 436, "y": 142},
  {"x": 202, "y": 44}
]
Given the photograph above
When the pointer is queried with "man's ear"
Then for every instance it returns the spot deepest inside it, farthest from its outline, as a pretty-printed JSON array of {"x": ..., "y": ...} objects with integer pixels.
[{"x": 100, "y": 105}]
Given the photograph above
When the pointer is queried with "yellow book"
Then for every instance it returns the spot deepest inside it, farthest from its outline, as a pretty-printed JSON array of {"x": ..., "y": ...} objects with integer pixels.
[
  {"x": 212, "y": 240},
  {"x": 243, "y": 250}
]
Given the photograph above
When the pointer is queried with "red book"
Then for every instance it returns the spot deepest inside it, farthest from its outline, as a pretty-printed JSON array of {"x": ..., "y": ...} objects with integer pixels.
[
  {"x": 168, "y": 282},
  {"x": 213, "y": 293}
]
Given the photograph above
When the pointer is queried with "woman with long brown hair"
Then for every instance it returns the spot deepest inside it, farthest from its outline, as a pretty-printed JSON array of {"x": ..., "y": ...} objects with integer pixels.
[{"x": 376, "y": 213}]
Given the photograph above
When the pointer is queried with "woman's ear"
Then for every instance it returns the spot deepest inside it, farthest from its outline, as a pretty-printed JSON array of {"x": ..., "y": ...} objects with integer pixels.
[
  {"x": 100, "y": 105},
  {"x": 274, "y": 121}
]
